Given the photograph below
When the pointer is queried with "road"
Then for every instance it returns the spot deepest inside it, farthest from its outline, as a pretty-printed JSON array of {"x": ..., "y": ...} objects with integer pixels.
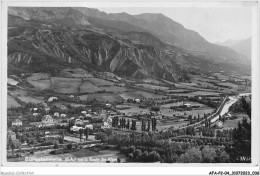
[{"x": 225, "y": 108}]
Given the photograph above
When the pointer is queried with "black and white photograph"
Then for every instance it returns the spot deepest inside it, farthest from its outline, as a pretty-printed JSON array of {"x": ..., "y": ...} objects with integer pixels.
[{"x": 160, "y": 85}]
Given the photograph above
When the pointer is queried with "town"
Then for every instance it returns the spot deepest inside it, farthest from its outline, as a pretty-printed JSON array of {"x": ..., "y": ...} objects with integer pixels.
[{"x": 106, "y": 116}]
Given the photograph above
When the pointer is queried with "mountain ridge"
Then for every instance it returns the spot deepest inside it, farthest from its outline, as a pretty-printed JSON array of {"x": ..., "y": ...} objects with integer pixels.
[{"x": 60, "y": 39}]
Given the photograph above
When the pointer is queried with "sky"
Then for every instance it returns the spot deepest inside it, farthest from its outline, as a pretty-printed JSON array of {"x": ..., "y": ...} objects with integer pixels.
[{"x": 215, "y": 24}]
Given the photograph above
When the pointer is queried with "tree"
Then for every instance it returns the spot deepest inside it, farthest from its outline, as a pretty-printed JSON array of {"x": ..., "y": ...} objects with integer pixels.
[
  {"x": 153, "y": 156},
  {"x": 148, "y": 127},
  {"x": 208, "y": 154},
  {"x": 12, "y": 145},
  {"x": 144, "y": 156},
  {"x": 86, "y": 132},
  {"x": 137, "y": 154},
  {"x": 153, "y": 124},
  {"x": 61, "y": 140},
  {"x": 221, "y": 156},
  {"x": 246, "y": 106},
  {"x": 101, "y": 136},
  {"x": 128, "y": 124},
  {"x": 155, "y": 108},
  {"x": 190, "y": 131},
  {"x": 69, "y": 146},
  {"x": 56, "y": 145},
  {"x": 193, "y": 155},
  {"x": 130, "y": 155},
  {"x": 190, "y": 117},
  {"x": 80, "y": 133},
  {"x": 143, "y": 125}
]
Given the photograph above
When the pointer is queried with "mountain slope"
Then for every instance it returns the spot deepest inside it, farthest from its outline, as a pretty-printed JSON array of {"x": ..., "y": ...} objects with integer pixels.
[
  {"x": 240, "y": 46},
  {"x": 50, "y": 49},
  {"x": 243, "y": 47},
  {"x": 173, "y": 33},
  {"x": 53, "y": 39}
]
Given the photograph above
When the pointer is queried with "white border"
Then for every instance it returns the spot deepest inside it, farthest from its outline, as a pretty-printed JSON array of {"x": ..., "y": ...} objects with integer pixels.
[{"x": 121, "y": 168}]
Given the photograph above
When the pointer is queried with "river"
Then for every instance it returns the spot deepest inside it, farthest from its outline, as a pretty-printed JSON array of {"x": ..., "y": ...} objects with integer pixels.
[{"x": 224, "y": 110}]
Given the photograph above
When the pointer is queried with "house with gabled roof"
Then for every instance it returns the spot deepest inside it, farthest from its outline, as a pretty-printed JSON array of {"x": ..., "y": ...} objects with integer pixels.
[
  {"x": 17, "y": 122},
  {"x": 47, "y": 119}
]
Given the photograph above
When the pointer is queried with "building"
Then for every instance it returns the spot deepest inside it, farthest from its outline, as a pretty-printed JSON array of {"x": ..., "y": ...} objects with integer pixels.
[
  {"x": 102, "y": 116},
  {"x": 89, "y": 126},
  {"x": 36, "y": 124},
  {"x": 158, "y": 117},
  {"x": 108, "y": 105},
  {"x": 85, "y": 121},
  {"x": 17, "y": 122},
  {"x": 83, "y": 112},
  {"x": 187, "y": 105},
  {"x": 137, "y": 100},
  {"x": 109, "y": 120},
  {"x": 105, "y": 126},
  {"x": 56, "y": 114},
  {"x": 47, "y": 120},
  {"x": 51, "y": 99},
  {"x": 88, "y": 115},
  {"x": 63, "y": 115},
  {"x": 35, "y": 114},
  {"x": 47, "y": 109},
  {"x": 78, "y": 122},
  {"x": 75, "y": 128},
  {"x": 64, "y": 124},
  {"x": 219, "y": 124},
  {"x": 11, "y": 135}
]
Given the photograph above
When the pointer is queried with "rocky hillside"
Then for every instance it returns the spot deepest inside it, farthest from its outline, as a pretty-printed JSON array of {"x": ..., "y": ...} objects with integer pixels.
[
  {"x": 173, "y": 33},
  {"x": 53, "y": 39},
  {"x": 50, "y": 49}
]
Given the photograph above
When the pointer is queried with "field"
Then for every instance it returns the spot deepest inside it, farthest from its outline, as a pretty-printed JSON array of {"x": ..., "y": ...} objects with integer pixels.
[
  {"x": 230, "y": 124},
  {"x": 11, "y": 102},
  {"x": 231, "y": 85},
  {"x": 150, "y": 80},
  {"x": 88, "y": 87},
  {"x": 169, "y": 124},
  {"x": 25, "y": 96},
  {"x": 221, "y": 76},
  {"x": 65, "y": 85},
  {"x": 140, "y": 94},
  {"x": 40, "y": 81},
  {"x": 153, "y": 87},
  {"x": 178, "y": 103},
  {"x": 205, "y": 93},
  {"x": 101, "y": 97},
  {"x": 41, "y": 84},
  {"x": 113, "y": 88},
  {"x": 179, "y": 91},
  {"x": 133, "y": 109},
  {"x": 100, "y": 82},
  {"x": 194, "y": 112}
]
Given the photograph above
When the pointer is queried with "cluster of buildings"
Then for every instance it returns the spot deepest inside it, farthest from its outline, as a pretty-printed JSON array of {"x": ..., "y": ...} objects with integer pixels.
[{"x": 62, "y": 119}]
